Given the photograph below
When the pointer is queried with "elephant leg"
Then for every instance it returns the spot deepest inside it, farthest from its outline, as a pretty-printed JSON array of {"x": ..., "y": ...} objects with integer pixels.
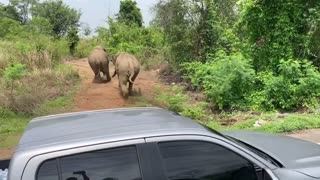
[
  {"x": 95, "y": 68},
  {"x": 131, "y": 83},
  {"x": 105, "y": 70},
  {"x": 123, "y": 86}
]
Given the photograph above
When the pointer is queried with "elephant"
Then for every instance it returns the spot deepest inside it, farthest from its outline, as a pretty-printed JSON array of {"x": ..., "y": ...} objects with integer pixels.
[
  {"x": 99, "y": 62},
  {"x": 127, "y": 68}
]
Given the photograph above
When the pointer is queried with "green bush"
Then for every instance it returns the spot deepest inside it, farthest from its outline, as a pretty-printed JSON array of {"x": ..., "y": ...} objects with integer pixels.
[
  {"x": 195, "y": 112},
  {"x": 144, "y": 42},
  {"x": 226, "y": 80},
  {"x": 296, "y": 86},
  {"x": 174, "y": 101},
  {"x": 85, "y": 46}
]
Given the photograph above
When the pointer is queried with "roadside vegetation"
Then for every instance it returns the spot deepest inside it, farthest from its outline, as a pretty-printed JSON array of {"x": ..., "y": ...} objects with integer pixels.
[
  {"x": 254, "y": 63},
  {"x": 34, "y": 80},
  {"x": 235, "y": 64}
]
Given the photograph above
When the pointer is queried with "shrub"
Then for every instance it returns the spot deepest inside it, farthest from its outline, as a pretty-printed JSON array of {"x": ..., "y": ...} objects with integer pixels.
[
  {"x": 195, "y": 112},
  {"x": 85, "y": 46},
  {"x": 226, "y": 80},
  {"x": 296, "y": 86},
  {"x": 175, "y": 100},
  {"x": 49, "y": 83}
]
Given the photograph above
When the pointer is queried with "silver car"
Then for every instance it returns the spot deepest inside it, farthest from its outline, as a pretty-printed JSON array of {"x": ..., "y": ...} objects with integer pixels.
[{"x": 154, "y": 144}]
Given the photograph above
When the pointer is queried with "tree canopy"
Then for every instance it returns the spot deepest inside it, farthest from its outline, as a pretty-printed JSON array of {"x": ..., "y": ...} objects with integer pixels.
[
  {"x": 129, "y": 13},
  {"x": 60, "y": 16}
]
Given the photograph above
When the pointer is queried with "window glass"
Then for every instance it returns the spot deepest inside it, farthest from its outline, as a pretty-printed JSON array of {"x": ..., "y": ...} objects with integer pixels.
[
  {"x": 204, "y": 161},
  {"x": 111, "y": 164},
  {"x": 48, "y": 171}
]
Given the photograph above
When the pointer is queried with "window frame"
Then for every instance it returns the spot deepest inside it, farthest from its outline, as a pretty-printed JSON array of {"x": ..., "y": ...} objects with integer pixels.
[
  {"x": 32, "y": 167},
  {"x": 249, "y": 156}
]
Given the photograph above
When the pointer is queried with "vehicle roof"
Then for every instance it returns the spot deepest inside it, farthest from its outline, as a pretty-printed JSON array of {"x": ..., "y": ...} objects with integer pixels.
[{"x": 86, "y": 127}]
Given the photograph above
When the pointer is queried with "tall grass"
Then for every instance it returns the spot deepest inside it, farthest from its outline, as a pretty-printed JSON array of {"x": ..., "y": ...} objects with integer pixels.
[{"x": 46, "y": 78}]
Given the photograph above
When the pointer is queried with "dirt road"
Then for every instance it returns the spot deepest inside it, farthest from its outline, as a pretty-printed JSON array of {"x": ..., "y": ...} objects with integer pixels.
[
  {"x": 312, "y": 135},
  {"x": 106, "y": 96}
]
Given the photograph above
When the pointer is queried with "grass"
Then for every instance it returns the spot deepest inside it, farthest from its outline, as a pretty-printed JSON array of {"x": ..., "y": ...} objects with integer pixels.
[
  {"x": 291, "y": 122},
  {"x": 9, "y": 141},
  {"x": 11, "y": 122},
  {"x": 13, "y": 125},
  {"x": 59, "y": 105},
  {"x": 177, "y": 100}
]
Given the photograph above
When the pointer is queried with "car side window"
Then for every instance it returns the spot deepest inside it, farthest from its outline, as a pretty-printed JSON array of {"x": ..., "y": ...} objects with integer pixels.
[
  {"x": 48, "y": 170},
  {"x": 199, "y": 160},
  {"x": 110, "y": 164}
]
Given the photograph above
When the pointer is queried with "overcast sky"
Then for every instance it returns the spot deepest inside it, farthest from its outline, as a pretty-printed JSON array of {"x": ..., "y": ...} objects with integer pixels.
[{"x": 95, "y": 12}]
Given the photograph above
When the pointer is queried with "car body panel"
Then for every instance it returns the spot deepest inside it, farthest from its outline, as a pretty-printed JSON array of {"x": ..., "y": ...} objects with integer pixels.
[
  {"x": 296, "y": 154},
  {"x": 73, "y": 130},
  {"x": 71, "y": 133}
]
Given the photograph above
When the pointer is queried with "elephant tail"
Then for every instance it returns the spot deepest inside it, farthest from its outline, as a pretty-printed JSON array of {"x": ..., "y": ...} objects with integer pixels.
[{"x": 130, "y": 77}]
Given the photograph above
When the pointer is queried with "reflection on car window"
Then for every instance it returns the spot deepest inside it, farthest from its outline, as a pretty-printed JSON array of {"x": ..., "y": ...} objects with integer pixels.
[
  {"x": 48, "y": 171},
  {"x": 111, "y": 164},
  {"x": 204, "y": 161}
]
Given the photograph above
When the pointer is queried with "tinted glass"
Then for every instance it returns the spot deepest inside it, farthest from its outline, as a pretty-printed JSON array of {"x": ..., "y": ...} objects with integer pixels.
[
  {"x": 204, "y": 161},
  {"x": 48, "y": 171},
  {"x": 111, "y": 164}
]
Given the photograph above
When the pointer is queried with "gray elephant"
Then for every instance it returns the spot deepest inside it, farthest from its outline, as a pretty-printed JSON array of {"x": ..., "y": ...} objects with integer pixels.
[
  {"x": 99, "y": 62},
  {"x": 127, "y": 68}
]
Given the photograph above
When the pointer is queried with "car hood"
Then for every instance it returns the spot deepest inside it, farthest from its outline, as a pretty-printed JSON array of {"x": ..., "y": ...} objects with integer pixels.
[{"x": 292, "y": 153}]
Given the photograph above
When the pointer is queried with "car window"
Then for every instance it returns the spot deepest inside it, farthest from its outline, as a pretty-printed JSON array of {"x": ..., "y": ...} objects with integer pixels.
[
  {"x": 48, "y": 171},
  {"x": 110, "y": 164},
  {"x": 199, "y": 160}
]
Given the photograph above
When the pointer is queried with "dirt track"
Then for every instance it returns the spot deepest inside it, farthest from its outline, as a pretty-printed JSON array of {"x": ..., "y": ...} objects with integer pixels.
[{"x": 106, "y": 96}]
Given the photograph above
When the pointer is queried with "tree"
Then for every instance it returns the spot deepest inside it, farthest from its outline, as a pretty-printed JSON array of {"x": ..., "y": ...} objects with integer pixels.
[
  {"x": 129, "y": 13},
  {"x": 39, "y": 25},
  {"x": 23, "y": 8},
  {"x": 278, "y": 30},
  {"x": 10, "y": 25},
  {"x": 9, "y": 12},
  {"x": 73, "y": 39},
  {"x": 60, "y": 16},
  {"x": 195, "y": 29},
  {"x": 86, "y": 29}
]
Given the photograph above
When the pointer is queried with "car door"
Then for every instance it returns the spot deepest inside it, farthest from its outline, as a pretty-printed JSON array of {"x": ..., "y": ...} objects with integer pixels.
[
  {"x": 110, "y": 161},
  {"x": 204, "y": 158}
]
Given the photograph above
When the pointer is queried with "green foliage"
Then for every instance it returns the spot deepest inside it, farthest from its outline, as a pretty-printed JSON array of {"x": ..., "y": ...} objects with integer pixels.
[
  {"x": 144, "y": 42},
  {"x": 174, "y": 102},
  {"x": 86, "y": 30},
  {"x": 85, "y": 46},
  {"x": 73, "y": 39},
  {"x": 60, "y": 16},
  {"x": 278, "y": 30},
  {"x": 129, "y": 13},
  {"x": 14, "y": 72},
  {"x": 194, "y": 29},
  {"x": 22, "y": 8},
  {"x": 11, "y": 122},
  {"x": 225, "y": 79},
  {"x": 39, "y": 25},
  {"x": 195, "y": 112},
  {"x": 133, "y": 39},
  {"x": 296, "y": 86},
  {"x": 9, "y": 12},
  {"x": 13, "y": 27}
]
